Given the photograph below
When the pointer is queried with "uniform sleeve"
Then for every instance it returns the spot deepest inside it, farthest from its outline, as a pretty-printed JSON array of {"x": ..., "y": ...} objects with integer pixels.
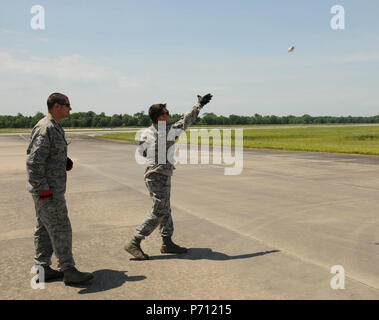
[
  {"x": 146, "y": 142},
  {"x": 37, "y": 154},
  {"x": 188, "y": 118},
  {"x": 142, "y": 149}
]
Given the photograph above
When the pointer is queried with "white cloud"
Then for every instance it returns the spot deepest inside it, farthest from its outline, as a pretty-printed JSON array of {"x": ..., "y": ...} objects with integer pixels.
[
  {"x": 8, "y": 31},
  {"x": 359, "y": 57},
  {"x": 69, "y": 68},
  {"x": 73, "y": 67},
  {"x": 132, "y": 83}
]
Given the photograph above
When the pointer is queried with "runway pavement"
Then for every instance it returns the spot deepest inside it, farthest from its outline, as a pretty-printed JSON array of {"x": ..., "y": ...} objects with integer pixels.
[{"x": 273, "y": 232}]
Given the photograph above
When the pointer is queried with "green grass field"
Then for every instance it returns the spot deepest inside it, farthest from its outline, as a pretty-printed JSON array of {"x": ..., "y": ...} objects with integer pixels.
[
  {"x": 354, "y": 139},
  {"x": 14, "y": 130},
  {"x": 26, "y": 130}
]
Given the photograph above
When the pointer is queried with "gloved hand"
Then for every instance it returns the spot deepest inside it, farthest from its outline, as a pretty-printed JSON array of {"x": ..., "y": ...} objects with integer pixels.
[
  {"x": 204, "y": 100},
  {"x": 69, "y": 164},
  {"x": 46, "y": 195}
]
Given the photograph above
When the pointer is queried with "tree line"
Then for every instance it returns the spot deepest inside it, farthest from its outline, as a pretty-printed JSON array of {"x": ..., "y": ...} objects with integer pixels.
[{"x": 92, "y": 120}]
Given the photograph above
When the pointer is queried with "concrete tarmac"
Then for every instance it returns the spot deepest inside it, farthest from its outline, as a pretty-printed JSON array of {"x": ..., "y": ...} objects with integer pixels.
[{"x": 273, "y": 232}]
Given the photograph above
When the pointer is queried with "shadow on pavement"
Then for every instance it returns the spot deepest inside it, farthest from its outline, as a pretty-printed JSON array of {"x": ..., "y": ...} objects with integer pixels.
[
  {"x": 106, "y": 280},
  {"x": 208, "y": 254}
]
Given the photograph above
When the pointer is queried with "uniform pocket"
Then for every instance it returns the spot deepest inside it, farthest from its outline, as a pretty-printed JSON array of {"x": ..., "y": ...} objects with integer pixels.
[{"x": 59, "y": 152}]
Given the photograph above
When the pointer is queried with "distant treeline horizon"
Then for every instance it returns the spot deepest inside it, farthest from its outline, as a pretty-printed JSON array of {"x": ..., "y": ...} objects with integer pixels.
[{"x": 91, "y": 119}]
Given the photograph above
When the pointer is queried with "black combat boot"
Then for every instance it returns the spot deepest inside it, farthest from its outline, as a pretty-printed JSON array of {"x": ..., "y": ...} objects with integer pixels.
[
  {"x": 50, "y": 274},
  {"x": 170, "y": 247},
  {"x": 134, "y": 248},
  {"x": 73, "y": 276}
]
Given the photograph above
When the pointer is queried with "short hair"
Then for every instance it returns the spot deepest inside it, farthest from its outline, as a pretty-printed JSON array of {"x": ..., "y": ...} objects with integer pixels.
[
  {"x": 155, "y": 111},
  {"x": 56, "y": 98}
]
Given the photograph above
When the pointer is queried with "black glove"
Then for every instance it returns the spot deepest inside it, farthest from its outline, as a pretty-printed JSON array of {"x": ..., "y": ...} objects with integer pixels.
[
  {"x": 204, "y": 100},
  {"x": 69, "y": 164}
]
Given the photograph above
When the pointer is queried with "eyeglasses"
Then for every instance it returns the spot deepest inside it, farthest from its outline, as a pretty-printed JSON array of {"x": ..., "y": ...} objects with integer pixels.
[{"x": 66, "y": 104}]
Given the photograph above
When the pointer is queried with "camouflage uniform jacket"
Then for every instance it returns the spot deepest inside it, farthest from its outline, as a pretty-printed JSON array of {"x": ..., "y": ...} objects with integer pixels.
[
  {"x": 47, "y": 157},
  {"x": 152, "y": 136}
]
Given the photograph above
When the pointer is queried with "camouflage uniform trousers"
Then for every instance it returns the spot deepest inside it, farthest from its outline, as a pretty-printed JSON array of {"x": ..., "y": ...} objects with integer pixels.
[
  {"x": 53, "y": 232},
  {"x": 159, "y": 186}
]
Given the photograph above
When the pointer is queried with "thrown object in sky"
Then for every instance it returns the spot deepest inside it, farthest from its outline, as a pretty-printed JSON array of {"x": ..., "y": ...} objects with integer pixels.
[{"x": 290, "y": 49}]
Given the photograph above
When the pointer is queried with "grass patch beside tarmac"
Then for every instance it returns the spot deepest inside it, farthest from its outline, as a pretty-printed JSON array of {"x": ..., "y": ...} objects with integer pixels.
[
  {"x": 354, "y": 139},
  {"x": 14, "y": 130},
  {"x": 89, "y": 129},
  {"x": 127, "y": 136}
]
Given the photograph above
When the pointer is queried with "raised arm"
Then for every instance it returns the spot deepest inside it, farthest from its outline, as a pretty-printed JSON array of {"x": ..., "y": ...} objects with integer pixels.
[{"x": 190, "y": 116}]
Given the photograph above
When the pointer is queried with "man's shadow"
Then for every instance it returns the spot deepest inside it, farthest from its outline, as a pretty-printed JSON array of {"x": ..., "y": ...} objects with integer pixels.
[
  {"x": 208, "y": 254},
  {"x": 106, "y": 279}
]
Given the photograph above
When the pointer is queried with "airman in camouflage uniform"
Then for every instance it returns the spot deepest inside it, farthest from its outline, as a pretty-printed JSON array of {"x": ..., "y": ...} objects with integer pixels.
[
  {"x": 158, "y": 175},
  {"x": 46, "y": 165}
]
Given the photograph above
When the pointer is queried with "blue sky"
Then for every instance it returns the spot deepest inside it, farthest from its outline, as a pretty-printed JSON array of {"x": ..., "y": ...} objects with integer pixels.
[{"x": 123, "y": 56}]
